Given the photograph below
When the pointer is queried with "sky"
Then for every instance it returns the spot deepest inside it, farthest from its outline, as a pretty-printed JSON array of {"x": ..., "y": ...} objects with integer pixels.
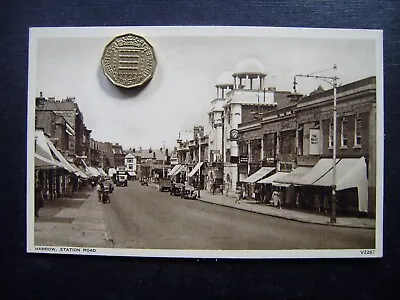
[{"x": 188, "y": 65}]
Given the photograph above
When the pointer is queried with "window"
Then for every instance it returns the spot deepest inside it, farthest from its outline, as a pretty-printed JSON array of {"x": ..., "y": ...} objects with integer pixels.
[
  {"x": 331, "y": 135},
  {"x": 270, "y": 145},
  {"x": 343, "y": 134},
  {"x": 357, "y": 132},
  {"x": 287, "y": 142}
]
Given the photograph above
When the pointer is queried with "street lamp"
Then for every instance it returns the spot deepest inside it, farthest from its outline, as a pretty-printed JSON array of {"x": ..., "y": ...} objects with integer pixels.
[
  {"x": 332, "y": 80},
  {"x": 163, "y": 167}
]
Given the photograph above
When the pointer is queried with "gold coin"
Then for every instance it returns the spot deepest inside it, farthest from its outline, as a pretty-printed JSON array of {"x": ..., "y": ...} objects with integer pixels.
[{"x": 129, "y": 61}]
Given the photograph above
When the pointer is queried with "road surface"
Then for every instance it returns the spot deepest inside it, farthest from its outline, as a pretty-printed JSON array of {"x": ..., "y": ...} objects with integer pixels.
[{"x": 141, "y": 217}]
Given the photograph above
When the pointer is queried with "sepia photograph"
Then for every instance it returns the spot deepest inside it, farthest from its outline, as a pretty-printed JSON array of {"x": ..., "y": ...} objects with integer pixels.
[{"x": 205, "y": 142}]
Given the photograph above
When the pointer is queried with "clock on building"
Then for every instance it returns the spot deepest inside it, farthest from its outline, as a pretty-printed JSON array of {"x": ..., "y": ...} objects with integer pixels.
[{"x": 234, "y": 134}]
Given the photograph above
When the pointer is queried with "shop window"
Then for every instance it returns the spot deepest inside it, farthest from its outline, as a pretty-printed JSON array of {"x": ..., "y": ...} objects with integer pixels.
[
  {"x": 269, "y": 145},
  {"x": 331, "y": 135},
  {"x": 285, "y": 167},
  {"x": 300, "y": 137},
  {"x": 343, "y": 134},
  {"x": 357, "y": 132},
  {"x": 287, "y": 142},
  {"x": 228, "y": 155}
]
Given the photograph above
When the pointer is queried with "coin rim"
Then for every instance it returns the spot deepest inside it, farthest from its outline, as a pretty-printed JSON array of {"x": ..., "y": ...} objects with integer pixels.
[{"x": 133, "y": 85}]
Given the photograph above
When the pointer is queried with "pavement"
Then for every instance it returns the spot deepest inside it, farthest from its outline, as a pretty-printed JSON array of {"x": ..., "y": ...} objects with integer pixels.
[
  {"x": 289, "y": 214},
  {"x": 77, "y": 221}
]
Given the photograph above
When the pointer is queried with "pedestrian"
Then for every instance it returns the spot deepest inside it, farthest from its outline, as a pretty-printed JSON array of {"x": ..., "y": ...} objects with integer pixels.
[
  {"x": 238, "y": 194},
  {"x": 317, "y": 203},
  {"x": 325, "y": 203},
  {"x": 298, "y": 200},
  {"x": 276, "y": 199},
  {"x": 38, "y": 198},
  {"x": 256, "y": 194},
  {"x": 213, "y": 187},
  {"x": 100, "y": 188},
  {"x": 243, "y": 192}
]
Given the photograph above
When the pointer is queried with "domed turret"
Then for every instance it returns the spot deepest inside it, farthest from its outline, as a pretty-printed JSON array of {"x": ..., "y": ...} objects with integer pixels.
[
  {"x": 224, "y": 82},
  {"x": 249, "y": 68},
  {"x": 225, "y": 79}
]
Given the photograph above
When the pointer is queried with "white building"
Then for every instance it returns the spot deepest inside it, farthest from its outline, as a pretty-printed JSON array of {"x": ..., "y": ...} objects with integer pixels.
[
  {"x": 131, "y": 164},
  {"x": 241, "y": 97}
]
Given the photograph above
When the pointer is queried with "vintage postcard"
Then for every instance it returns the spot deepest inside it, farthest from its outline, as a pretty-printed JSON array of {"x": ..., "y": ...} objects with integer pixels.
[{"x": 205, "y": 142}]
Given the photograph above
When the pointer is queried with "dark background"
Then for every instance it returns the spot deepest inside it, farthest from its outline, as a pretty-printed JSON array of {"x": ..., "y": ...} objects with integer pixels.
[{"x": 38, "y": 276}]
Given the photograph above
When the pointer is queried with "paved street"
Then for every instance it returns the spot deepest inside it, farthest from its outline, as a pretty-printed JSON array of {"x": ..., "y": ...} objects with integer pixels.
[{"x": 142, "y": 217}]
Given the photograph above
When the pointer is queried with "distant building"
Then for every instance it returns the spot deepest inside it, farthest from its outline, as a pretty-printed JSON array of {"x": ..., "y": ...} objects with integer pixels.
[
  {"x": 131, "y": 165},
  {"x": 119, "y": 156}
]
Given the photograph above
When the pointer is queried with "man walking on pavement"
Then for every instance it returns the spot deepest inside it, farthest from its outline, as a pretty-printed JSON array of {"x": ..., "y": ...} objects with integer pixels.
[
  {"x": 238, "y": 194},
  {"x": 38, "y": 198}
]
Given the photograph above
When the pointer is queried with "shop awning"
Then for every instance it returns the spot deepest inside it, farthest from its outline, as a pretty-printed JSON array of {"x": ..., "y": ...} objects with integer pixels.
[
  {"x": 93, "y": 171},
  {"x": 44, "y": 163},
  {"x": 195, "y": 169},
  {"x": 264, "y": 171},
  {"x": 101, "y": 172},
  {"x": 318, "y": 171},
  {"x": 111, "y": 172},
  {"x": 42, "y": 148},
  {"x": 296, "y": 174},
  {"x": 104, "y": 172},
  {"x": 174, "y": 170},
  {"x": 350, "y": 173},
  {"x": 79, "y": 172},
  {"x": 88, "y": 175},
  {"x": 61, "y": 158},
  {"x": 46, "y": 149},
  {"x": 274, "y": 177}
]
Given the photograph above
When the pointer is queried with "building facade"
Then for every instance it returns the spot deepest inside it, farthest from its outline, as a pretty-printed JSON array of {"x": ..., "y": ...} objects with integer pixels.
[
  {"x": 300, "y": 135},
  {"x": 242, "y": 96}
]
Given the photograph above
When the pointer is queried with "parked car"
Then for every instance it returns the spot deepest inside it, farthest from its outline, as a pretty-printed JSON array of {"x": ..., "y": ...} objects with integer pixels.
[
  {"x": 189, "y": 193},
  {"x": 176, "y": 189},
  {"x": 164, "y": 185}
]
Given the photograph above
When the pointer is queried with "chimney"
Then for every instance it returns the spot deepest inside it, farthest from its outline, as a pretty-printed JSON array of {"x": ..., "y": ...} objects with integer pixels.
[{"x": 40, "y": 101}]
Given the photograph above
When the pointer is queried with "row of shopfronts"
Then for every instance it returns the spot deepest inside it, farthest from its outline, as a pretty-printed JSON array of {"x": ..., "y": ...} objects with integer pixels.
[
  {"x": 289, "y": 150},
  {"x": 303, "y": 187},
  {"x": 311, "y": 187},
  {"x": 58, "y": 175},
  {"x": 192, "y": 174}
]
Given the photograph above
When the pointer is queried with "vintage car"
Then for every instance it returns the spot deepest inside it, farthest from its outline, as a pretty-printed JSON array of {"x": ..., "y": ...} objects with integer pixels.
[
  {"x": 176, "y": 189},
  {"x": 164, "y": 185},
  {"x": 189, "y": 193}
]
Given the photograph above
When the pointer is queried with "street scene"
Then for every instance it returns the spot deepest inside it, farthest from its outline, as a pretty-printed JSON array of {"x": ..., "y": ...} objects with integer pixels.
[{"x": 273, "y": 154}]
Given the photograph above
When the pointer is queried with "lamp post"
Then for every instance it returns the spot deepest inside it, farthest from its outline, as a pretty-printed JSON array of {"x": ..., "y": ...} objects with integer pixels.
[
  {"x": 332, "y": 80},
  {"x": 163, "y": 162}
]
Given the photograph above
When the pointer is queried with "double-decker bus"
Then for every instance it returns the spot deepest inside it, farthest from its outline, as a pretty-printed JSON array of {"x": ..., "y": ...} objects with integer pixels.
[{"x": 122, "y": 176}]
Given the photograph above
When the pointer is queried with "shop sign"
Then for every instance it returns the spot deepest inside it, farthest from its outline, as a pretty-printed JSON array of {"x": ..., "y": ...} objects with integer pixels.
[
  {"x": 314, "y": 141},
  {"x": 243, "y": 159}
]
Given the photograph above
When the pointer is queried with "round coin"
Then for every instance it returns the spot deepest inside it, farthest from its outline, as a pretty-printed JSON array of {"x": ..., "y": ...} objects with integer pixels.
[{"x": 128, "y": 61}]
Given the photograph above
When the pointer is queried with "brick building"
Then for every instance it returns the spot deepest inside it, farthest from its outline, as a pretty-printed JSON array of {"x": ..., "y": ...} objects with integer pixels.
[{"x": 300, "y": 137}]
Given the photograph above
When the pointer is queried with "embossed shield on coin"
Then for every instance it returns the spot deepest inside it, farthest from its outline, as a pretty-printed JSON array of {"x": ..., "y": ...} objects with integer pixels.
[{"x": 129, "y": 61}]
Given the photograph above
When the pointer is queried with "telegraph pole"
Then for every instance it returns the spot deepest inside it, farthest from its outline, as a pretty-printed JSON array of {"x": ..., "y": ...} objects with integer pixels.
[
  {"x": 163, "y": 168},
  {"x": 332, "y": 80}
]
